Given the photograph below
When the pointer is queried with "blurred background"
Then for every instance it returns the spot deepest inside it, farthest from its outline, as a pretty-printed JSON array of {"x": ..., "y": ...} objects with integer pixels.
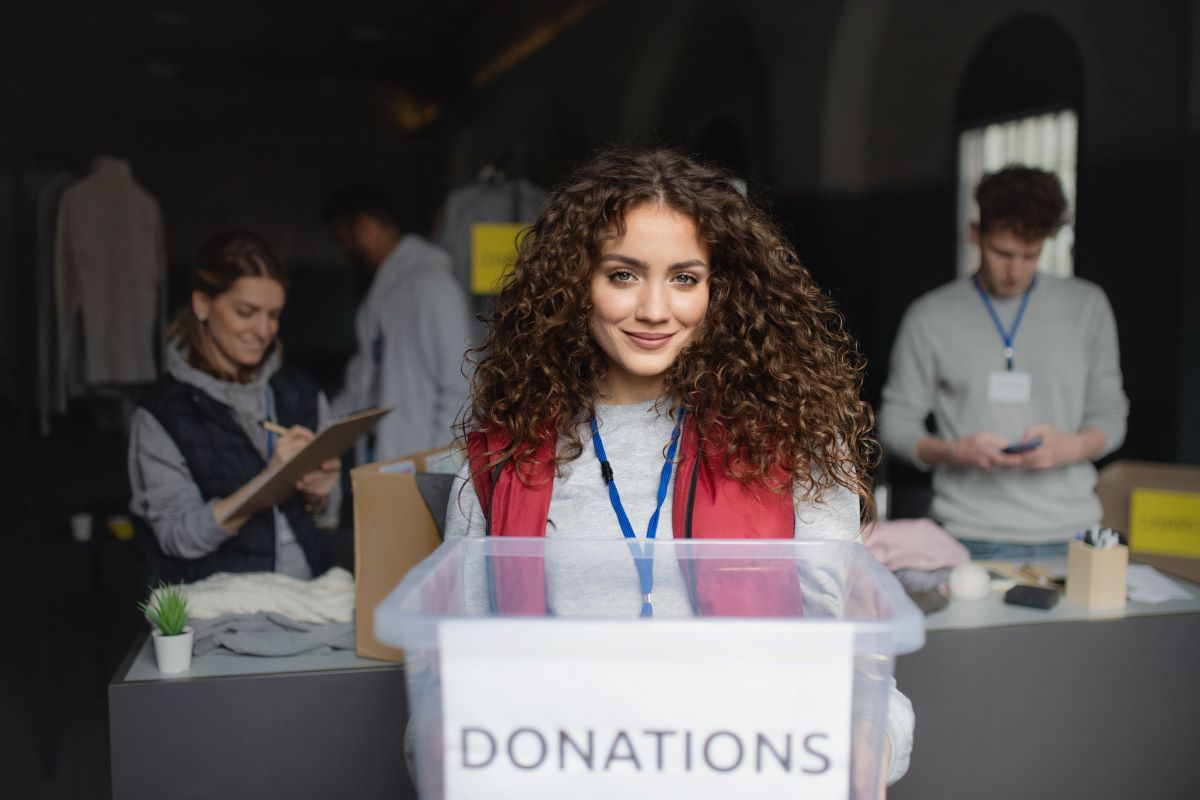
[{"x": 861, "y": 124}]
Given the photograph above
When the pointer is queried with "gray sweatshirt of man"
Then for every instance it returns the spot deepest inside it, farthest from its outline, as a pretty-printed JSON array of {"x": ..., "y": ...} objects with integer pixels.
[
  {"x": 412, "y": 330},
  {"x": 944, "y": 351},
  {"x": 164, "y": 492}
]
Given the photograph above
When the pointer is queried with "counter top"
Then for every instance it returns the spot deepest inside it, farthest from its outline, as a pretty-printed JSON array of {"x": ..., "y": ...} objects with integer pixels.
[
  {"x": 222, "y": 664},
  {"x": 992, "y": 611}
]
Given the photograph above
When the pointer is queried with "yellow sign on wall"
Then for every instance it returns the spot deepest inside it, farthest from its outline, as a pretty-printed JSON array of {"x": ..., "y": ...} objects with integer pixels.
[
  {"x": 493, "y": 253},
  {"x": 1164, "y": 523}
]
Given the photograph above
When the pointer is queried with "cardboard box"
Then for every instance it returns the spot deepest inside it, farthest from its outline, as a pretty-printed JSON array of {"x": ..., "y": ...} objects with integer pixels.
[
  {"x": 1115, "y": 486},
  {"x": 393, "y": 531}
]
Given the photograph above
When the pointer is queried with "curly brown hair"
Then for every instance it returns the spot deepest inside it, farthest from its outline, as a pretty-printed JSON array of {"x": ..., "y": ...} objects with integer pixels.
[
  {"x": 771, "y": 374},
  {"x": 1026, "y": 201}
]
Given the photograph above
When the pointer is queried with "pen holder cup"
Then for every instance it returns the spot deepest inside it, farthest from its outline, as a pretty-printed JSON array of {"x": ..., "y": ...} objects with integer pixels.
[{"x": 1095, "y": 576}]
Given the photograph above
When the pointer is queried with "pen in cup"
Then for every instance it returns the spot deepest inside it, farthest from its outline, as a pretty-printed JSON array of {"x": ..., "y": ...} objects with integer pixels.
[{"x": 1100, "y": 538}]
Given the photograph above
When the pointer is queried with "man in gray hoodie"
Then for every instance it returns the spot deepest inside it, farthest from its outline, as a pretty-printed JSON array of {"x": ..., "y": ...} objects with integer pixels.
[{"x": 412, "y": 328}]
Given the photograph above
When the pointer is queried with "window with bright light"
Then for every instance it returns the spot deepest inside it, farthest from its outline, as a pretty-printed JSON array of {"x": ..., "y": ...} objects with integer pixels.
[{"x": 1046, "y": 141}]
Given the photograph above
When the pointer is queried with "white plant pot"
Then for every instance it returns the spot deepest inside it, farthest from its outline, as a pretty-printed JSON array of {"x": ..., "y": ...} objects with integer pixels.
[{"x": 174, "y": 653}]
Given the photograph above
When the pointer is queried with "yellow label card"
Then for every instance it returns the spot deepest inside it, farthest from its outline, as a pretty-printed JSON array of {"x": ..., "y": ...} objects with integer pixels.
[
  {"x": 493, "y": 253},
  {"x": 1165, "y": 523}
]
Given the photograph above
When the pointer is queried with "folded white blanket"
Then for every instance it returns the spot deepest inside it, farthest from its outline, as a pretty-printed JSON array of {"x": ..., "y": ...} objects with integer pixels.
[{"x": 329, "y": 598}]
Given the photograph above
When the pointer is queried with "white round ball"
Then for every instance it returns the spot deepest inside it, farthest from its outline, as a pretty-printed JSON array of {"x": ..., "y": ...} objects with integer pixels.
[{"x": 969, "y": 582}]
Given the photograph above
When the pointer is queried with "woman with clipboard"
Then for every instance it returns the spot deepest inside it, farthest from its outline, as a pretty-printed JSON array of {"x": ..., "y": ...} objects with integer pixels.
[
  {"x": 660, "y": 364},
  {"x": 197, "y": 436}
]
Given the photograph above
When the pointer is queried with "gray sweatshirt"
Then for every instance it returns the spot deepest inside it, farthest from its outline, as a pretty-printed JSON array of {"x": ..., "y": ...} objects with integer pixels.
[
  {"x": 412, "y": 330},
  {"x": 634, "y": 438},
  {"x": 166, "y": 496},
  {"x": 944, "y": 351}
]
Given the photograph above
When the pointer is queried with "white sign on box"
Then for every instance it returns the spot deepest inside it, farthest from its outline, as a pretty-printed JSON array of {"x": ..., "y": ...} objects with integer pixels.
[{"x": 600, "y": 709}]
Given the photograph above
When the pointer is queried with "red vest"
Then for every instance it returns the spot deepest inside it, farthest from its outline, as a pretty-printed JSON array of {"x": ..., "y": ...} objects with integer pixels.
[{"x": 707, "y": 504}]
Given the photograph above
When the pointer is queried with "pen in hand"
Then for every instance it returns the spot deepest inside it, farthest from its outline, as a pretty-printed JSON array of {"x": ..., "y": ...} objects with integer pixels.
[{"x": 274, "y": 427}]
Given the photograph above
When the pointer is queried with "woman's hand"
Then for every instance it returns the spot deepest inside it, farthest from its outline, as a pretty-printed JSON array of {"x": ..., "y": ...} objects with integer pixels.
[
  {"x": 316, "y": 485},
  {"x": 291, "y": 443},
  {"x": 233, "y": 524},
  {"x": 883, "y": 769}
]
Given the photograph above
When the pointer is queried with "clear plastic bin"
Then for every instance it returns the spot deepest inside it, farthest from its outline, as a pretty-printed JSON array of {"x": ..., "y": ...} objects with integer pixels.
[{"x": 702, "y": 588}]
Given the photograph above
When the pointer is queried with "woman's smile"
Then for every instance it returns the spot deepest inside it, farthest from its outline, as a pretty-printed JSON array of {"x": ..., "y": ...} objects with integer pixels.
[{"x": 649, "y": 341}]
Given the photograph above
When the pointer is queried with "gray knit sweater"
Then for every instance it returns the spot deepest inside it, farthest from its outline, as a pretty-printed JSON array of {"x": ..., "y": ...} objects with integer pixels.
[{"x": 946, "y": 347}]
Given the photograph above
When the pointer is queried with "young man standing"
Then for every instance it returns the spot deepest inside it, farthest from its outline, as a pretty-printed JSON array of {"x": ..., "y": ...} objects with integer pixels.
[
  {"x": 412, "y": 327},
  {"x": 1020, "y": 371}
]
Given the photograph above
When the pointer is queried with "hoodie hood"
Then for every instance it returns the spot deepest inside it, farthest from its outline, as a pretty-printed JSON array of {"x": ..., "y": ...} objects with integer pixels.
[{"x": 247, "y": 401}]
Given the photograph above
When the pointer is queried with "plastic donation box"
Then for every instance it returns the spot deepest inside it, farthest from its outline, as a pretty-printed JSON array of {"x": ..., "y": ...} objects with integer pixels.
[{"x": 540, "y": 668}]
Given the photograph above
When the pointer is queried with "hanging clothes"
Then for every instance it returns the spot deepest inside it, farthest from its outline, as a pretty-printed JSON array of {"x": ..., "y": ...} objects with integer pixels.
[
  {"x": 491, "y": 199},
  {"x": 110, "y": 276},
  {"x": 43, "y": 191},
  {"x": 10, "y": 290}
]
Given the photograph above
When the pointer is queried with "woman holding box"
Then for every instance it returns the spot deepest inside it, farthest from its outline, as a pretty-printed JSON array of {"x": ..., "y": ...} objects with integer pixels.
[
  {"x": 198, "y": 437},
  {"x": 659, "y": 335}
]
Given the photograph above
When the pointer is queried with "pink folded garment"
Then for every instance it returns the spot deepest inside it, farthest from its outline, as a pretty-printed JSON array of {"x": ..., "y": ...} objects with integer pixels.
[{"x": 913, "y": 544}]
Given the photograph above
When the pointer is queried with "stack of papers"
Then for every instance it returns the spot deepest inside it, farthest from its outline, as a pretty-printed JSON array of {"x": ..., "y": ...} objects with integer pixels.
[{"x": 1145, "y": 584}]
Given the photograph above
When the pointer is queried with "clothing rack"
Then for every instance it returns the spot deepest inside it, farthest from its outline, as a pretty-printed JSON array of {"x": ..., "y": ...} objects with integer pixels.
[
  {"x": 50, "y": 479},
  {"x": 47, "y": 725}
]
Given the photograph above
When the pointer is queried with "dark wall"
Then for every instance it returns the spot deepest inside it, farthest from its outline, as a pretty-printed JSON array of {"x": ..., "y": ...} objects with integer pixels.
[
  {"x": 878, "y": 251},
  {"x": 1143, "y": 274},
  {"x": 1189, "y": 306},
  {"x": 843, "y": 115},
  {"x": 256, "y": 156},
  {"x": 853, "y": 142}
]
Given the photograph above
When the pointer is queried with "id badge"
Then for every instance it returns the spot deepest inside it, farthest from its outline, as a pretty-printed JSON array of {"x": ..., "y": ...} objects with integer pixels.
[{"x": 1007, "y": 386}]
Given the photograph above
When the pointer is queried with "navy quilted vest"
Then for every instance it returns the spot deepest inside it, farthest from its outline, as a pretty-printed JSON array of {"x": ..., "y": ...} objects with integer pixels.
[{"x": 221, "y": 459}]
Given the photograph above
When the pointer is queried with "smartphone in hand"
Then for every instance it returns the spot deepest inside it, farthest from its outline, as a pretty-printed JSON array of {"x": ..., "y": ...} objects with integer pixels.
[{"x": 1023, "y": 447}]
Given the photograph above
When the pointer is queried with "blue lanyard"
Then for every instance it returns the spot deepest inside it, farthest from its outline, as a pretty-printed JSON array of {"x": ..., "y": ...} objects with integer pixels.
[
  {"x": 642, "y": 559},
  {"x": 1006, "y": 336},
  {"x": 270, "y": 416}
]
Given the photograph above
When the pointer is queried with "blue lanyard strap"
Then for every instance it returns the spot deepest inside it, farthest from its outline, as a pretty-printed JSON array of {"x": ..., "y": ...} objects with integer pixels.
[
  {"x": 270, "y": 416},
  {"x": 1006, "y": 336},
  {"x": 642, "y": 559}
]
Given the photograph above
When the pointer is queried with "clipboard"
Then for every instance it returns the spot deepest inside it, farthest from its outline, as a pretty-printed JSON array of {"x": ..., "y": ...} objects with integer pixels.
[{"x": 272, "y": 487}]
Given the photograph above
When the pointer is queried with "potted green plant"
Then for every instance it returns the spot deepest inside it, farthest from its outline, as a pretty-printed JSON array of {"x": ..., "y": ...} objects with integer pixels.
[{"x": 167, "y": 611}]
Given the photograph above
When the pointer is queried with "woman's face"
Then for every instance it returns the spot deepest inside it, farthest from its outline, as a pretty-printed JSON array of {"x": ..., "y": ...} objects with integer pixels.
[
  {"x": 241, "y": 322},
  {"x": 649, "y": 295}
]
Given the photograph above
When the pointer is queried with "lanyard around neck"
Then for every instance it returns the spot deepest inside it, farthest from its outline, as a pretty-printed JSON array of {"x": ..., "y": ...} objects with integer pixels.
[
  {"x": 1010, "y": 335},
  {"x": 270, "y": 416},
  {"x": 642, "y": 559}
]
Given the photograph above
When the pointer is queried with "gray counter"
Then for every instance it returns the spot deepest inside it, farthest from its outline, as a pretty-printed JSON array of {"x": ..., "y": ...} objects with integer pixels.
[
  {"x": 1010, "y": 703},
  {"x": 319, "y": 726},
  {"x": 1019, "y": 703}
]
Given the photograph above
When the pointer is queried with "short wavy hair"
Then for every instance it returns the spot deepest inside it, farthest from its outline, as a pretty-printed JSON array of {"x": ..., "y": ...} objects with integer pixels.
[
  {"x": 771, "y": 373},
  {"x": 1026, "y": 201}
]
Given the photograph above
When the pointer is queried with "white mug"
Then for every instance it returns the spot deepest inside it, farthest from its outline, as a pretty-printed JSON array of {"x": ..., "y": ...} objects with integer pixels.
[{"x": 81, "y": 527}]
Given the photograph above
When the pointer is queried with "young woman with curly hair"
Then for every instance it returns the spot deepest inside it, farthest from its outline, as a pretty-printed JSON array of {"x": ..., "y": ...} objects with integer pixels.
[{"x": 658, "y": 335}]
